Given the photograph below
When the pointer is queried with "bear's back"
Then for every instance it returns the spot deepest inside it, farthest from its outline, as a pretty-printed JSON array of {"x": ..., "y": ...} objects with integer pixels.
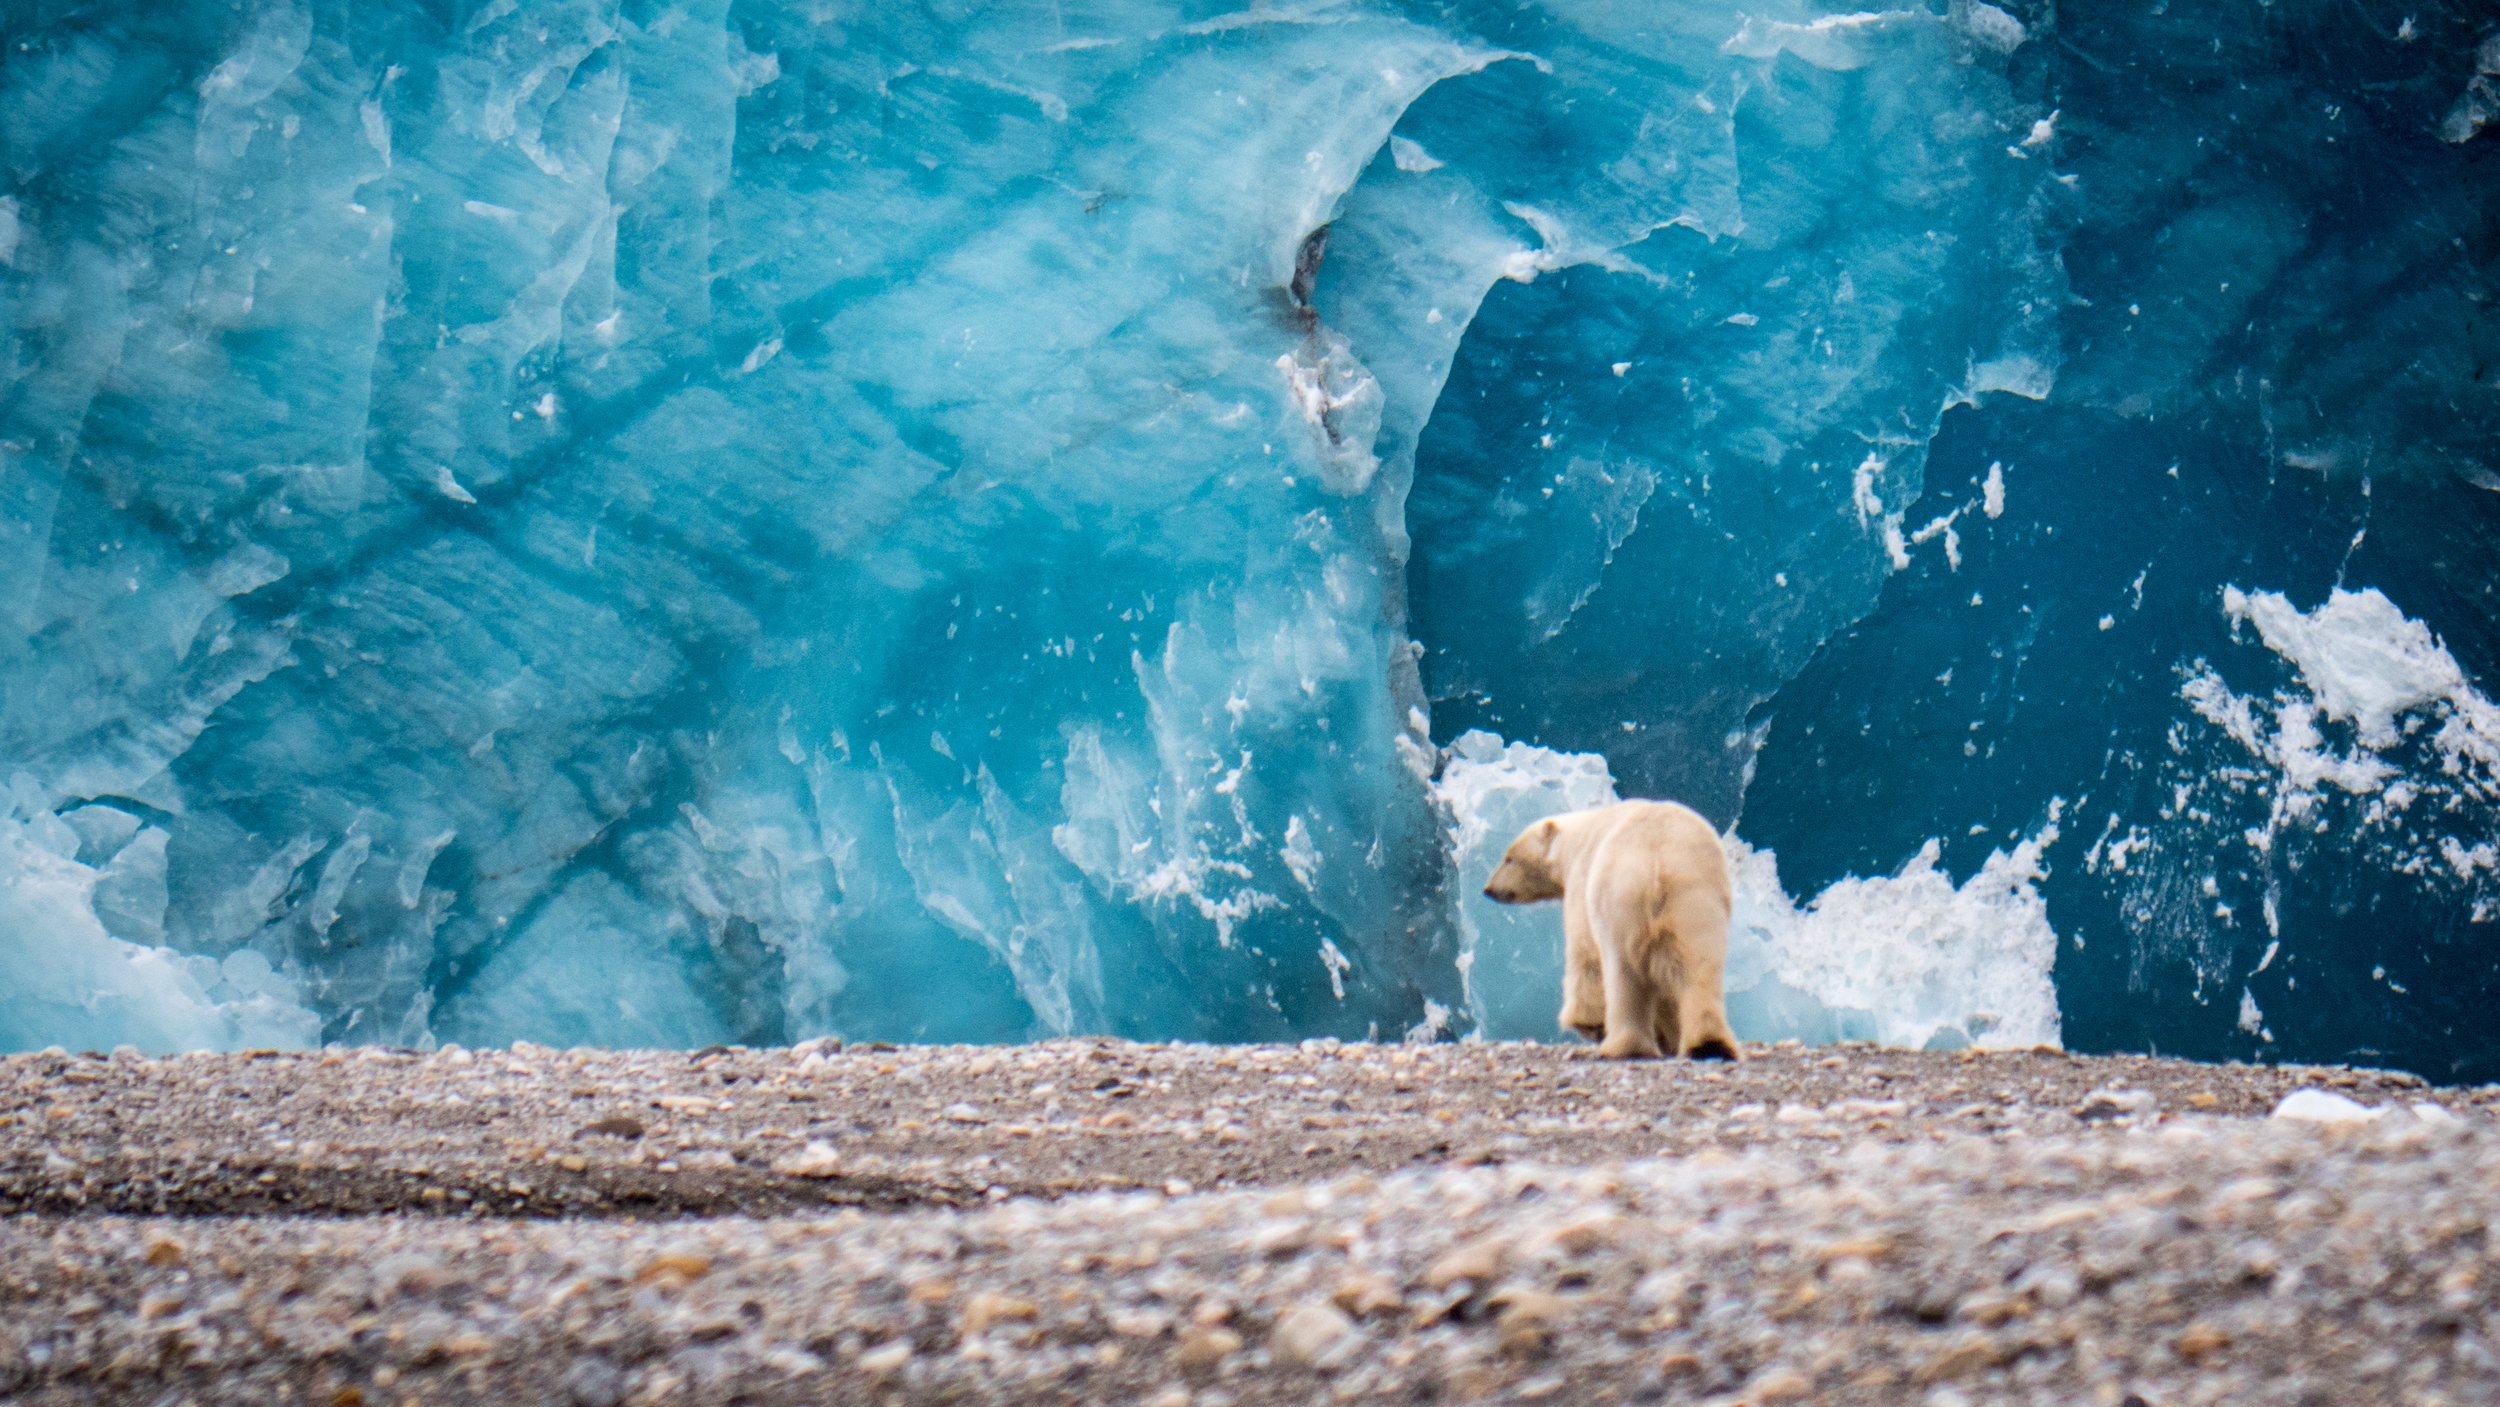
[{"x": 1665, "y": 836}]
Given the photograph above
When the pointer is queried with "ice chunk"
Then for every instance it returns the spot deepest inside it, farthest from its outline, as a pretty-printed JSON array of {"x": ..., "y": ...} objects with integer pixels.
[
  {"x": 1411, "y": 157},
  {"x": 1994, "y": 27},
  {"x": 1909, "y": 959},
  {"x": 71, "y": 983},
  {"x": 582, "y": 973},
  {"x": 688, "y": 524},
  {"x": 130, "y": 892},
  {"x": 102, "y": 831},
  {"x": 1610, "y": 498}
]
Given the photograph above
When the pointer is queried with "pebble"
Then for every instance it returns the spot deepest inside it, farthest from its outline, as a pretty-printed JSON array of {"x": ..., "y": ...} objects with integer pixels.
[
  {"x": 1313, "y": 1335},
  {"x": 987, "y": 1308},
  {"x": 817, "y": 1159},
  {"x": 1203, "y": 1349},
  {"x": 1479, "y": 1260},
  {"x": 885, "y": 1358}
]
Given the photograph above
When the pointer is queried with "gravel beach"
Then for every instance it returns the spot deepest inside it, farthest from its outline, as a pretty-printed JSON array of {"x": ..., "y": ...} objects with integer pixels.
[{"x": 1096, "y": 1221}]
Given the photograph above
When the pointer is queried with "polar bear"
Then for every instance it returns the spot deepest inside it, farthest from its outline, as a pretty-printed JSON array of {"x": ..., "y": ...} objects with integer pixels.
[{"x": 1645, "y": 894}]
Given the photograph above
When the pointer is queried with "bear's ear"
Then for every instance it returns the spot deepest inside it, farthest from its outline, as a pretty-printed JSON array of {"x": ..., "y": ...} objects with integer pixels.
[{"x": 1551, "y": 826}]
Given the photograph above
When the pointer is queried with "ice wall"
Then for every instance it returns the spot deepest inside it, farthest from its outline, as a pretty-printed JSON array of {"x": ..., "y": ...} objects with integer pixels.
[
  {"x": 2276, "y": 392},
  {"x": 692, "y": 526},
  {"x": 684, "y": 523},
  {"x": 693, "y": 522}
]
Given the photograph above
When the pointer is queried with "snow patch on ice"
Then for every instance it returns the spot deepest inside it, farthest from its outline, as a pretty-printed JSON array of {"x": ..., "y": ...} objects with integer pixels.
[
  {"x": 1300, "y": 855},
  {"x": 1341, "y": 402},
  {"x": 1337, "y": 964},
  {"x": 2369, "y": 663},
  {"x": 2016, "y": 373},
  {"x": 2479, "y": 105},
  {"x": 2419, "y": 727}
]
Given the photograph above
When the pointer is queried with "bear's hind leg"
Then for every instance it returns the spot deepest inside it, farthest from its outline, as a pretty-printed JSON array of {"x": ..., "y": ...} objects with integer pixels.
[
  {"x": 1631, "y": 1021},
  {"x": 1665, "y": 1020},
  {"x": 1632, "y": 994},
  {"x": 1671, "y": 983},
  {"x": 1715, "y": 1045},
  {"x": 1697, "y": 990}
]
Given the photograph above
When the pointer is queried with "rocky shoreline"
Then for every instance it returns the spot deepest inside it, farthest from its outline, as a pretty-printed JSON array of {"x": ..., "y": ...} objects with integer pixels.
[
  {"x": 1093, "y": 1221},
  {"x": 536, "y": 1132}
]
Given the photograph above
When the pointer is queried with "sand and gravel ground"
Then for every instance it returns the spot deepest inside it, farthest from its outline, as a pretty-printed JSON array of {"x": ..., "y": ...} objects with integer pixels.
[{"x": 1102, "y": 1222}]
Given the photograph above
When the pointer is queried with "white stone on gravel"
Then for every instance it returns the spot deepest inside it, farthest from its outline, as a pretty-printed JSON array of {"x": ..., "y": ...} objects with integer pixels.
[
  {"x": 2317, "y": 1106},
  {"x": 817, "y": 1159}
]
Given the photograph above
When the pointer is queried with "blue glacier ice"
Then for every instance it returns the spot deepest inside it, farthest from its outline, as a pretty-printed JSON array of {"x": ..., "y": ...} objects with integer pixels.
[{"x": 674, "y": 522}]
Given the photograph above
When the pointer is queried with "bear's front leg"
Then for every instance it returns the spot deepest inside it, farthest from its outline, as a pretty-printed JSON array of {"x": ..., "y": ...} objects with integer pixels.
[{"x": 1584, "y": 985}]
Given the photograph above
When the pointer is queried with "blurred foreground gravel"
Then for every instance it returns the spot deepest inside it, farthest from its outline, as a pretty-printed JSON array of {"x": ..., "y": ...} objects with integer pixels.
[{"x": 2105, "y": 1245}]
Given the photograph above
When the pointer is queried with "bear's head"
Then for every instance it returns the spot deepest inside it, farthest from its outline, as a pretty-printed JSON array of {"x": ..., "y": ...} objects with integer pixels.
[{"x": 1527, "y": 872}]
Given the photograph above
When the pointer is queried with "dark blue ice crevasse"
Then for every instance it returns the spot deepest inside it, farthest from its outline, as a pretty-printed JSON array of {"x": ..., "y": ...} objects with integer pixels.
[{"x": 2235, "y": 612}]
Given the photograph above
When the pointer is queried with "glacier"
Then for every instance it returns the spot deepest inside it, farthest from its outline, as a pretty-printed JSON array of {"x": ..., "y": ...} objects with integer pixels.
[{"x": 679, "y": 522}]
